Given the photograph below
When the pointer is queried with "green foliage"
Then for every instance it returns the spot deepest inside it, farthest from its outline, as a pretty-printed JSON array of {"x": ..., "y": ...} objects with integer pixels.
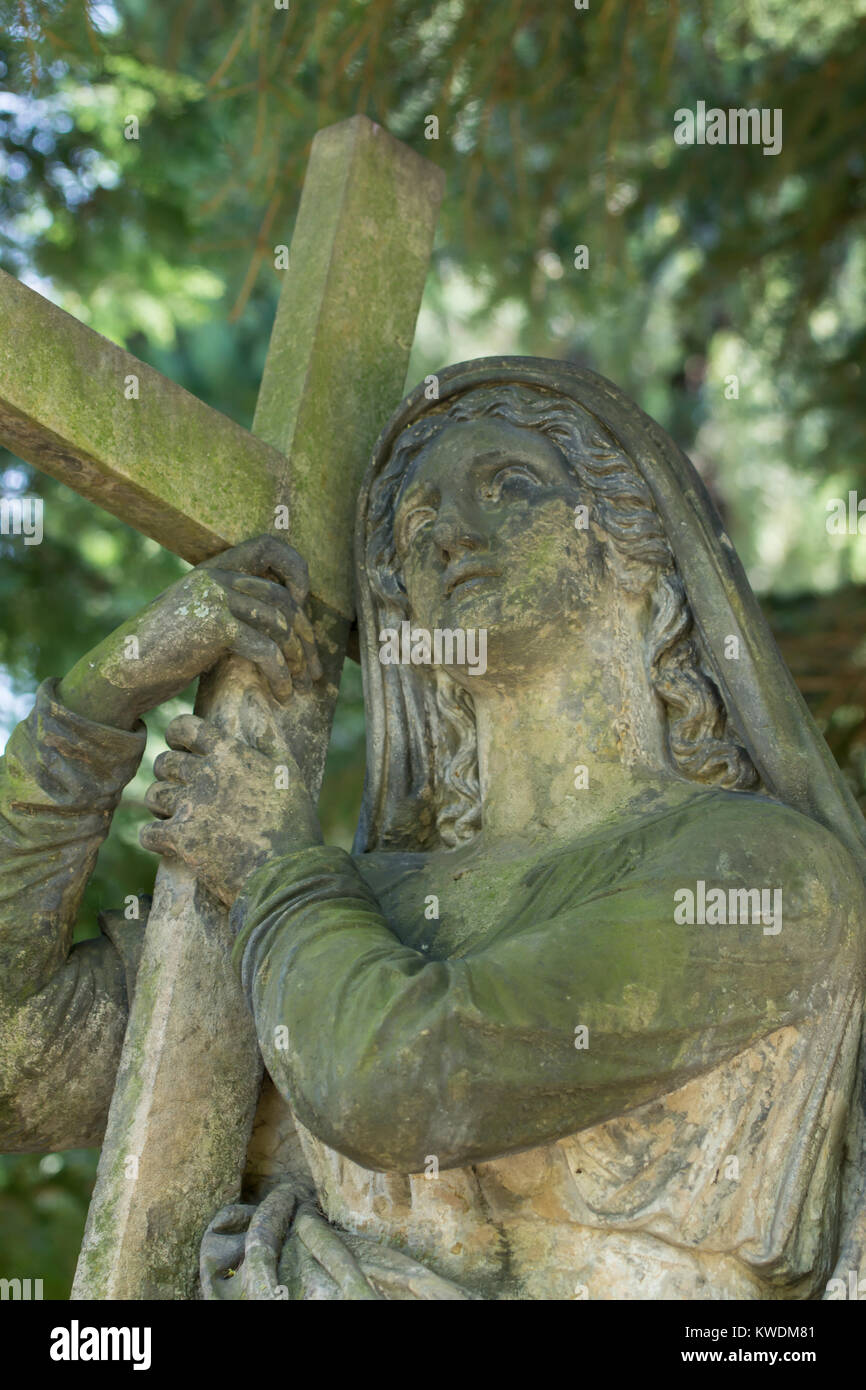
[
  {"x": 555, "y": 129},
  {"x": 41, "y": 1206}
]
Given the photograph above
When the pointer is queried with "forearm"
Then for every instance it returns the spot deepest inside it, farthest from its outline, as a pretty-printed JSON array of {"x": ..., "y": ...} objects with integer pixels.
[
  {"x": 321, "y": 968},
  {"x": 132, "y": 670},
  {"x": 92, "y": 690},
  {"x": 390, "y": 1057}
]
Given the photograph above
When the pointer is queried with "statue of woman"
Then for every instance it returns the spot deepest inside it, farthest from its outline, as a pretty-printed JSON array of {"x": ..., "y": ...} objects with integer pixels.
[{"x": 581, "y": 1014}]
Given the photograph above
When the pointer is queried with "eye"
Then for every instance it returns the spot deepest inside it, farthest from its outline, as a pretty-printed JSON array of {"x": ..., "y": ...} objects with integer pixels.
[
  {"x": 491, "y": 490},
  {"x": 410, "y": 525}
]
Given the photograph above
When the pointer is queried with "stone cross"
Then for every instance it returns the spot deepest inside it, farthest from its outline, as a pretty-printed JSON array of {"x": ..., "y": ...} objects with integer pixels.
[{"x": 190, "y": 1071}]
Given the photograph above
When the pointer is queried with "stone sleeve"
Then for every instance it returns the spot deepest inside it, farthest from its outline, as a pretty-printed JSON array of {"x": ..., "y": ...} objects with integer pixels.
[
  {"x": 63, "y": 1008},
  {"x": 389, "y": 1056}
]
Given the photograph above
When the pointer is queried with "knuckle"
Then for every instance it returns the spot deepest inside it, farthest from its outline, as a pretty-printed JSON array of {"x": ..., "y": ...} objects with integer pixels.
[
  {"x": 207, "y": 590},
  {"x": 183, "y": 730},
  {"x": 278, "y": 548}
]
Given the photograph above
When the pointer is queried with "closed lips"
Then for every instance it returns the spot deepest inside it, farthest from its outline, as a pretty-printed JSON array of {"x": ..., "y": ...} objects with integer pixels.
[{"x": 461, "y": 576}]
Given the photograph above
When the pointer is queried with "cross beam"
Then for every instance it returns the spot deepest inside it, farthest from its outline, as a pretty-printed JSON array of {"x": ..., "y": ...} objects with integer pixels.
[
  {"x": 160, "y": 459},
  {"x": 188, "y": 476}
]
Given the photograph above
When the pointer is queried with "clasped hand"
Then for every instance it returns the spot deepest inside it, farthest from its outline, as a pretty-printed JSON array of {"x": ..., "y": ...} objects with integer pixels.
[{"x": 224, "y": 808}]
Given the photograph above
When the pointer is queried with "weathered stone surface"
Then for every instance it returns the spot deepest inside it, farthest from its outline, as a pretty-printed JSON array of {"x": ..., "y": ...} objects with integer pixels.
[
  {"x": 166, "y": 463},
  {"x": 559, "y": 1083},
  {"x": 358, "y": 263},
  {"x": 565, "y": 1081},
  {"x": 337, "y": 361}
]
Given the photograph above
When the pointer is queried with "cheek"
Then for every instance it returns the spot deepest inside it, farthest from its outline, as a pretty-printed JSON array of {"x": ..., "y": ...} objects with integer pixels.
[
  {"x": 546, "y": 527},
  {"x": 552, "y": 565}
]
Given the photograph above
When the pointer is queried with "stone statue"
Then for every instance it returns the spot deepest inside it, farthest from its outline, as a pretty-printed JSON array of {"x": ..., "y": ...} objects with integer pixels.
[{"x": 581, "y": 1016}]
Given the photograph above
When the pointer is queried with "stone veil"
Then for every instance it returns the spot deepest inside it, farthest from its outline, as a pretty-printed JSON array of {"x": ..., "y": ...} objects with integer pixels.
[{"x": 790, "y": 765}]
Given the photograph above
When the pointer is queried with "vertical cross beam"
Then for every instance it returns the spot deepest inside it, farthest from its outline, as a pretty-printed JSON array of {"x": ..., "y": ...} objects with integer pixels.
[{"x": 188, "y": 1079}]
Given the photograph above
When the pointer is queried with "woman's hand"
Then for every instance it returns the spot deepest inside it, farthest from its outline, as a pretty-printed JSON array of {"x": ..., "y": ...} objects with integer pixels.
[
  {"x": 250, "y": 600},
  {"x": 225, "y": 808}
]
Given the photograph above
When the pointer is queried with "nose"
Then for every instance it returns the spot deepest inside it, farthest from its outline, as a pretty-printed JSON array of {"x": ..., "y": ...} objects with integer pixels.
[{"x": 453, "y": 534}]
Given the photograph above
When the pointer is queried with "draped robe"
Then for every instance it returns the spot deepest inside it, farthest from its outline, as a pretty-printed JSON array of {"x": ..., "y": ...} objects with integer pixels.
[{"x": 692, "y": 1149}]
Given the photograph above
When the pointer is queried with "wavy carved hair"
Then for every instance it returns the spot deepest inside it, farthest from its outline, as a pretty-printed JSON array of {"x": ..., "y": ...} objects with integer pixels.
[{"x": 701, "y": 744}]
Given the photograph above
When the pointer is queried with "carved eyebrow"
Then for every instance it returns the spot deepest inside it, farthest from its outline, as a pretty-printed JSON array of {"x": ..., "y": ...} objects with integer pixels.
[
  {"x": 499, "y": 455},
  {"x": 417, "y": 491},
  {"x": 414, "y": 492},
  {"x": 513, "y": 454}
]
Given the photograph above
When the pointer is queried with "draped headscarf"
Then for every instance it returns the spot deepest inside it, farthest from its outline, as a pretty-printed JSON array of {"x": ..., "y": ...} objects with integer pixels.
[
  {"x": 764, "y": 705},
  {"x": 762, "y": 702}
]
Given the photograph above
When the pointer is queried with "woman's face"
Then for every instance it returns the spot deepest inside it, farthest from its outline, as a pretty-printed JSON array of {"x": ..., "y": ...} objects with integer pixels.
[{"x": 485, "y": 537}]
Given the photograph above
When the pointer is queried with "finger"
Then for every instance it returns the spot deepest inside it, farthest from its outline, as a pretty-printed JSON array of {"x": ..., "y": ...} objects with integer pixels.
[
  {"x": 266, "y": 589},
  {"x": 266, "y": 655},
  {"x": 231, "y": 1220},
  {"x": 305, "y": 637},
  {"x": 306, "y": 656},
  {"x": 262, "y": 617},
  {"x": 174, "y": 767},
  {"x": 197, "y": 735},
  {"x": 162, "y": 798},
  {"x": 296, "y": 660},
  {"x": 311, "y": 651},
  {"x": 269, "y": 590},
  {"x": 264, "y": 555},
  {"x": 155, "y": 837},
  {"x": 278, "y": 597},
  {"x": 281, "y": 559}
]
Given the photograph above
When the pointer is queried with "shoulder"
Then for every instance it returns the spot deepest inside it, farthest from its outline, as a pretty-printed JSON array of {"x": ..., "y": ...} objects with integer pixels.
[
  {"x": 742, "y": 841},
  {"x": 736, "y": 830}
]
